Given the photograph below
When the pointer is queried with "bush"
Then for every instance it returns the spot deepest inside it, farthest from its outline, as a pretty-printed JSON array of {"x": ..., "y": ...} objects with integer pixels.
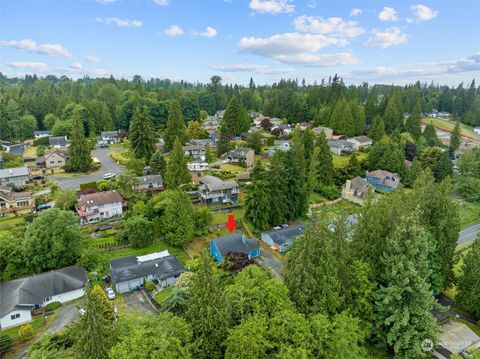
[
  {"x": 149, "y": 286},
  {"x": 52, "y": 306},
  {"x": 43, "y": 141},
  {"x": 5, "y": 344},
  {"x": 25, "y": 331},
  {"x": 89, "y": 185}
]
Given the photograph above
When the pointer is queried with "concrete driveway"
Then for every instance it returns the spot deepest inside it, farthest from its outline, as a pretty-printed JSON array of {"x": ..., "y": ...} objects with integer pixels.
[
  {"x": 137, "y": 302},
  {"x": 108, "y": 166},
  {"x": 272, "y": 263},
  {"x": 469, "y": 234}
]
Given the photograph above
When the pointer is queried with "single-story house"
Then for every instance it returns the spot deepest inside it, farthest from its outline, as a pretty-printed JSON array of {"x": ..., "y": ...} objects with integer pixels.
[
  {"x": 111, "y": 136},
  {"x": 340, "y": 147},
  {"x": 94, "y": 207},
  {"x": 327, "y": 131},
  {"x": 15, "y": 149},
  {"x": 215, "y": 191},
  {"x": 360, "y": 141},
  {"x": 58, "y": 141},
  {"x": 53, "y": 157},
  {"x": 282, "y": 147},
  {"x": 239, "y": 243},
  {"x": 383, "y": 180},
  {"x": 16, "y": 177},
  {"x": 195, "y": 151},
  {"x": 15, "y": 203},
  {"x": 456, "y": 338},
  {"x": 281, "y": 238},
  {"x": 241, "y": 155},
  {"x": 41, "y": 134},
  {"x": 149, "y": 183},
  {"x": 355, "y": 190},
  {"x": 198, "y": 166},
  {"x": 19, "y": 297},
  {"x": 131, "y": 272}
]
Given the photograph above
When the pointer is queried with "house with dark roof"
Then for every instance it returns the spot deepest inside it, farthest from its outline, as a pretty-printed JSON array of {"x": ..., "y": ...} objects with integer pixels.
[
  {"x": 15, "y": 203},
  {"x": 41, "y": 134},
  {"x": 215, "y": 191},
  {"x": 15, "y": 149},
  {"x": 95, "y": 207},
  {"x": 58, "y": 141},
  {"x": 131, "y": 272},
  {"x": 19, "y": 297},
  {"x": 195, "y": 151},
  {"x": 149, "y": 184},
  {"x": 355, "y": 190},
  {"x": 281, "y": 238},
  {"x": 383, "y": 180},
  {"x": 360, "y": 141},
  {"x": 238, "y": 243},
  {"x": 16, "y": 177},
  {"x": 340, "y": 147},
  {"x": 241, "y": 155}
]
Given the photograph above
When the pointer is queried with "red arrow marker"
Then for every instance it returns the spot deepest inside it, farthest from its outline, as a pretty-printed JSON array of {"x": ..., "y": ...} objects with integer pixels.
[{"x": 231, "y": 223}]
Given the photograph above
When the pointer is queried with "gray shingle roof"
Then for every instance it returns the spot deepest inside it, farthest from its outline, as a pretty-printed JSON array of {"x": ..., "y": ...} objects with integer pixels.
[
  {"x": 17, "y": 149},
  {"x": 58, "y": 141},
  {"x": 14, "y": 172},
  {"x": 234, "y": 243},
  {"x": 216, "y": 184},
  {"x": 282, "y": 236},
  {"x": 340, "y": 144},
  {"x": 32, "y": 290},
  {"x": 127, "y": 268}
]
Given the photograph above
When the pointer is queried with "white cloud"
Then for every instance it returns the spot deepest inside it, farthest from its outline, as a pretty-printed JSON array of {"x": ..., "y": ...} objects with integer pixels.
[
  {"x": 119, "y": 22},
  {"x": 92, "y": 58},
  {"x": 319, "y": 60},
  {"x": 259, "y": 69},
  {"x": 35, "y": 66},
  {"x": 333, "y": 25},
  {"x": 388, "y": 37},
  {"x": 106, "y": 1},
  {"x": 209, "y": 32},
  {"x": 76, "y": 66},
  {"x": 162, "y": 2},
  {"x": 409, "y": 20},
  {"x": 423, "y": 13},
  {"x": 355, "y": 12},
  {"x": 173, "y": 30},
  {"x": 388, "y": 14},
  {"x": 272, "y": 6},
  {"x": 32, "y": 46}
]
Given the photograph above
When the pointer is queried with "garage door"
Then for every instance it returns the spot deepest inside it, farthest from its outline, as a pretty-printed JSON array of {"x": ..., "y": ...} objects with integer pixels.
[{"x": 123, "y": 287}]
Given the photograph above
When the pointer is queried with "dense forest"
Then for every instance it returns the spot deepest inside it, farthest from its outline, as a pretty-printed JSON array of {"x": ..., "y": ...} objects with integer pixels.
[{"x": 105, "y": 104}]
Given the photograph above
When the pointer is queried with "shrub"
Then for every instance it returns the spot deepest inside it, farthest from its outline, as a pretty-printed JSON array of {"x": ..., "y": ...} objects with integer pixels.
[
  {"x": 43, "y": 141},
  {"x": 52, "y": 306},
  {"x": 149, "y": 286},
  {"x": 90, "y": 185},
  {"x": 25, "y": 331},
  {"x": 5, "y": 344}
]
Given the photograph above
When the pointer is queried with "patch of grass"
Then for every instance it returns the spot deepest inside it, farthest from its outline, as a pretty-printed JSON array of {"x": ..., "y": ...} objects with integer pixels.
[
  {"x": 223, "y": 217},
  {"x": 15, "y": 226},
  {"x": 232, "y": 168},
  {"x": 447, "y": 126},
  {"x": 473, "y": 327},
  {"x": 469, "y": 213},
  {"x": 342, "y": 161},
  {"x": 162, "y": 295},
  {"x": 121, "y": 157},
  {"x": 316, "y": 198},
  {"x": 77, "y": 174},
  {"x": 31, "y": 152},
  {"x": 37, "y": 323}
]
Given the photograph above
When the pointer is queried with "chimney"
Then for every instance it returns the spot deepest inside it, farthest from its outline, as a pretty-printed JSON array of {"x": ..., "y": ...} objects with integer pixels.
[{"x": 348, "y": 185}]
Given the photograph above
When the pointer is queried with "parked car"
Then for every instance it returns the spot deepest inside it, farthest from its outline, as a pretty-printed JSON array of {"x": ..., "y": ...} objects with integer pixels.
[
  {"x": 108, "y": 176},
  {"x": 103, "y": 144},
  {"x": 43, "y": 207},
  {"x": 110, "y": 293},
  {"x": 38, "y": 177}
]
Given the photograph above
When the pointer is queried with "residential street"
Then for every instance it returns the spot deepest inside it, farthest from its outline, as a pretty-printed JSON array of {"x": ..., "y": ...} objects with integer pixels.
[
  {"x": 469, "y": 234},
  {"x": 108, "y": 166}
]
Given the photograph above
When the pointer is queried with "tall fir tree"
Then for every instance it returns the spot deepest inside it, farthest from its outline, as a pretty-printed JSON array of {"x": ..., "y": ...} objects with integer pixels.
[
  {"x": 321, "y": 166},
  {"x": 412, "y": 124},
  {"x": 393, "y": 115},
  {"x": 455, "y": 139},
  {"x": 444, "y": 168},
  {"x": 157, "y": 163},
  {"x": 79, "y": 150},
  {"x": 235, "y": 121},
  {"x": 377, "y": 129},
  {"x": 341, "y": 119},
  {"x": 175, "y": 126},
  {"x": 404, "y": 301},
  {"x": 371, "y": 105},
  {"x": 206, "y": 311},
  {"x": 358, "y": 117},
  {"x": 177, "y": 169},
  {"x": 430, "y": 135},
  {"x": 469, "y": 281},
  {"x": 257, "y": 202},
  {"x": 278, "y": 190},
  {"x": 141, "y": 134},
  {"x": 354, "y": 168},
  {"x": 297, "y": 175}
]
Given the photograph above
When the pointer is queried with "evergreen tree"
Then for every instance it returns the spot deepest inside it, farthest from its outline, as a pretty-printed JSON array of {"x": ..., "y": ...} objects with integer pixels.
[
  {"x": 341, "y": 119},
  {"x": 430, "y": 135},
  {"x": 254, "y": 141},
  {"x": 206, "y": 311},
  {"x": 278, "y": 188},
  {"x": 175, "y": 126},
  {"x": 177, "y": 222},
  {"x": 359, "y": 117},
  {"x": 223, "y": 144},
  {"x": 177, "y": 170},
  {"x": 235, "y": 121},
  {"x": 257, "y": 202},
  {"x": 404, "y": 300},
  {"x": 455, "y": 139},
  {"x": 412, "y": 124},
  {"x": 377, "y": 129},
  {"x": 141, "y": 134},
  {"x": 79, "y": 149},
  {"x": 308, "y": 139},
  {"x": 371, "y": 106},
  {"x": 354, "y": 168},
  {"x": 393, "y": 115},
  {"x": 469, "y": 281},
  {"x": 296, "y": 175},
  {"x": 96, "y": 332},
  {"x": 157, "y": 163},
  {"x": 444, "y": 168},
  {"x": 387, "y": 155},
  {"x": 321, "y": 168}
]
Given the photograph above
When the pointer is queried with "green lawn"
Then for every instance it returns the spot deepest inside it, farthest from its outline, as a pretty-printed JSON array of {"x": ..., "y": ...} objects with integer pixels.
[
  {"x": 232, "y": 168},
  {"x": 447, "y": 126},
  {"x": 30, "y": 152},
  {"x": 342, "y": 161},
  {"x": 316, "y": 198},
  {"x": 38, "y": 323},
  {"x": 223, "y": 217},
  {"x": 162, "y": 295},
  {"x": 121, "y": 157},
  {"x": 15, "y": 226},
  {"x": 469, "y": 212},
  {"x": 77, "y": 174}
]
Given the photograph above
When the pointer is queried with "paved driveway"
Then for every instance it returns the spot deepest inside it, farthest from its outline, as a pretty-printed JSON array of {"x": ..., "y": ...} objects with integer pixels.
[
  {"x": 137, "y": 302},
  {"x": 469, "y": 234},
  {"x": 272, "y": 263},
  {"x": 108, "y": 166}
]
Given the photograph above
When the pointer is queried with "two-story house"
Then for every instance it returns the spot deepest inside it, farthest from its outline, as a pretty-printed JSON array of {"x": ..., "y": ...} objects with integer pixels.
[
  {"x": 355, "y": 190},
  {"x": 52, "y": 158},
  {"x": 16, "y": 177},
  {"x": 15, "y": 203},
  {"x": 41, "y": 134},
  {"x": 242, "y": 155},
  {"x": 95, "y": 207},
  {"x": 111, "y": 137},
  {"x": 195, "y": 151},
  {"x": 383, "y": 180},
  {"x": 214, "y": 191}
]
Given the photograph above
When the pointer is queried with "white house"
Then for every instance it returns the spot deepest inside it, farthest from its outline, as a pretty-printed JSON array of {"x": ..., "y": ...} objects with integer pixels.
[
  {"x": 94, "y": 207},
  {"x": 477, "y": 130},
  {"x": 41, "y": 134},
  {"x": 360, "y": 141},
  {"x": 198, "y": 166},
  {"x": 19, "y": 297}
]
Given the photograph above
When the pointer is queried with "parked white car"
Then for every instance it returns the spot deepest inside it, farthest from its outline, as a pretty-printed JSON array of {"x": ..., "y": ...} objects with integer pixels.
[
  {"x": 110, "y": 293},
  {"x": 108, "y": 176}
]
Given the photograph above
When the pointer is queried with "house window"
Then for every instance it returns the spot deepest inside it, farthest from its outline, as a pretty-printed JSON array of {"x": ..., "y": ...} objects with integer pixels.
[
  {"x": 22, "y": 203},
  {"x": 47, "y": 299},
  {"x": 15, "y": 316}
]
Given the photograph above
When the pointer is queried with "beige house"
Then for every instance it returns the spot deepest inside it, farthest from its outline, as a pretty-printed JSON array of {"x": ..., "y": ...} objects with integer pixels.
[
  {"x": 327, "y": 131},
  {"x": 53, "y": 158},
  {"x": 15, "y": 203},
  {"x": 355, "y": 190}
]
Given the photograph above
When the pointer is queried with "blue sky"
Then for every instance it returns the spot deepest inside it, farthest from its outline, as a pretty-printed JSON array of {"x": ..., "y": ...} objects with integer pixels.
[{"x": 375, "y": 41}]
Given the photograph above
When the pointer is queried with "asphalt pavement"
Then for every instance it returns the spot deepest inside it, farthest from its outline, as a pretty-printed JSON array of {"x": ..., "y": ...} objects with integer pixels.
[
  {"x": 469, "y": 234},
  {"x": 108, "y": 166}
]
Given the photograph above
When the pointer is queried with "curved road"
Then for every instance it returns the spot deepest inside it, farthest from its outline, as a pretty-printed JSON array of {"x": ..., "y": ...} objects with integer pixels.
[
  {"x": 469, "y": 234},
  {"x": 108, "y": 166}
]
